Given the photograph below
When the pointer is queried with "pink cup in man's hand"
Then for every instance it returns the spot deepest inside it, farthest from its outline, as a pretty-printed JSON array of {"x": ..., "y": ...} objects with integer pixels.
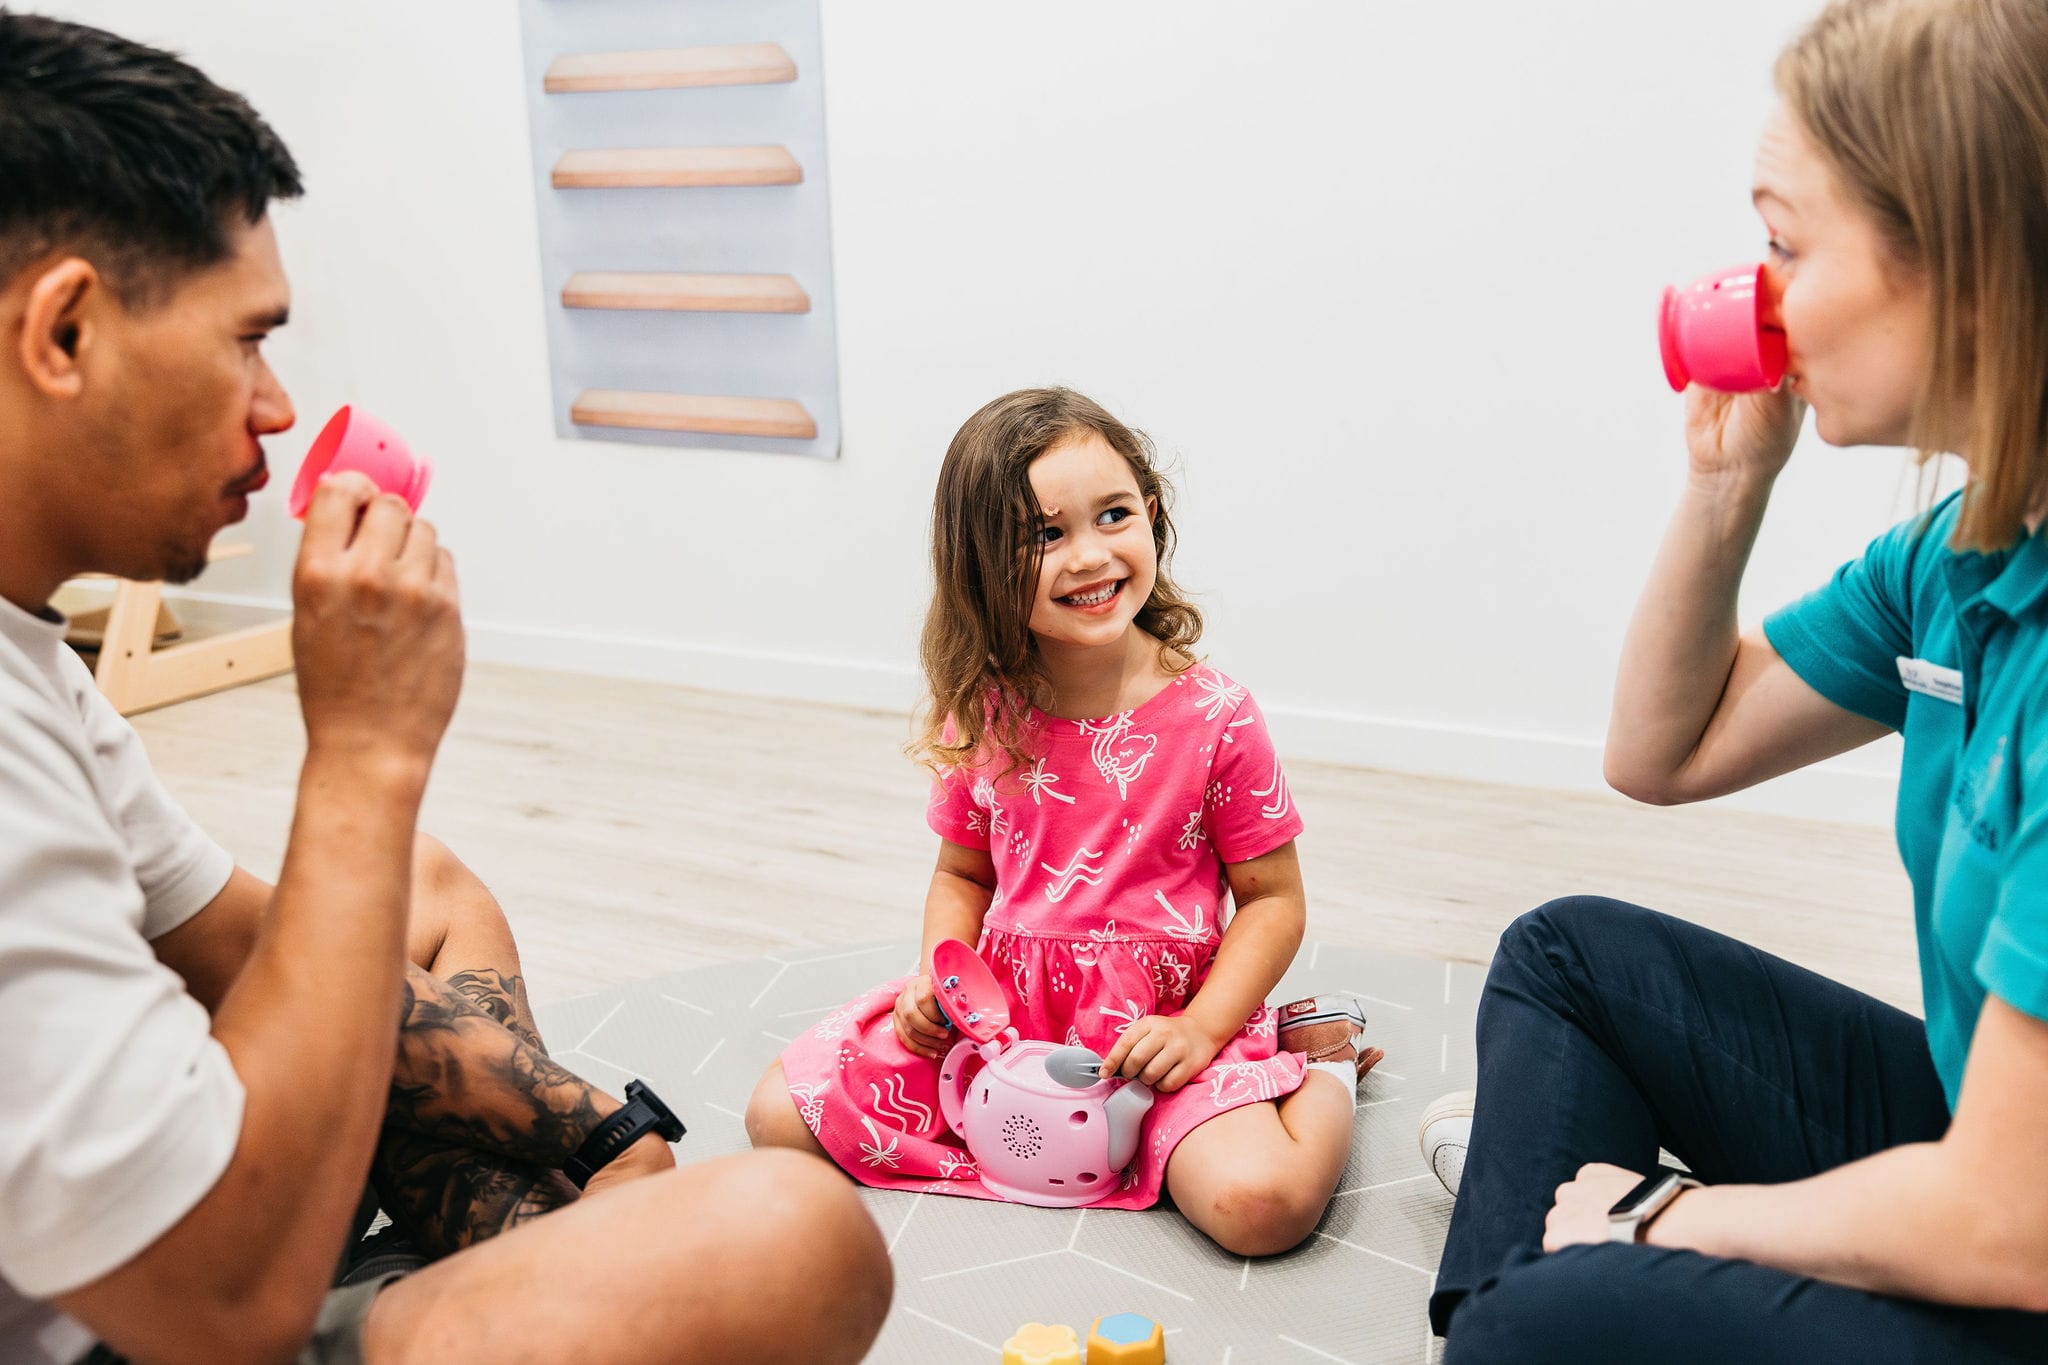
[
  {"x": 1712, "y": 333},
  {"x": 352, "y": 439}
]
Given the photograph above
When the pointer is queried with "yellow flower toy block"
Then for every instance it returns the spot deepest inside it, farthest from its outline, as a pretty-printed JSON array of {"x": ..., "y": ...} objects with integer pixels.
[{"x": 1036, "y": 1343}]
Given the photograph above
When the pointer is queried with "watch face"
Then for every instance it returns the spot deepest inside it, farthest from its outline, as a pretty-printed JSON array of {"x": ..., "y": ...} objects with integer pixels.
[{"x": 1631, "y": 1203}]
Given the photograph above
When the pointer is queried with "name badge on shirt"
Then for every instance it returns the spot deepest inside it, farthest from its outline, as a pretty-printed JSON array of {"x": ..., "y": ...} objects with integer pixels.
[{"x": 1931, "y": 680}]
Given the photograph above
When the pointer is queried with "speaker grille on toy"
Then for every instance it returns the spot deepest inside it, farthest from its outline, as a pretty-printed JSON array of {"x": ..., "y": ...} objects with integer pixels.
[{"x": 1022, "y": 1136}]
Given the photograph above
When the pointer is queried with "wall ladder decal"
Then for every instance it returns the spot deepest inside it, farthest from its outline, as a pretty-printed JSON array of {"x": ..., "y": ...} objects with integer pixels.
[
  {"x": 679, "y": 170},
  {"x": 675, "y": 68}
]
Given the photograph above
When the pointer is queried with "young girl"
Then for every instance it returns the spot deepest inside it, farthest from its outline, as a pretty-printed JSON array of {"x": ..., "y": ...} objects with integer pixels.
[{"x": 1098, "y": 793}]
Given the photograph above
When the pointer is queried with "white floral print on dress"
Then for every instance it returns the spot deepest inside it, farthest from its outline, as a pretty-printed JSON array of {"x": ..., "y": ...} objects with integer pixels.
[
  {"x": 810, "y": 1103},
  {"x": 876, "y": 1152},
  {"x": 1233, "y": 1083},
  {"x": 1041, "y": 784},
  {"x": 1219, "y": 695}
]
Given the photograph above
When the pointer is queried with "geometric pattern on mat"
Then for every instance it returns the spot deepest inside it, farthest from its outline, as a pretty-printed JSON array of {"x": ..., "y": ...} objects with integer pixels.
[{"x": 969, "y": 1272}]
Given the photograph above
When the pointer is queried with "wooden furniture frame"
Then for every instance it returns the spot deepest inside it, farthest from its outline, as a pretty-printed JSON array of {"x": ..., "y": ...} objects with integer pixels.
[{"x": 136, "y": 676}]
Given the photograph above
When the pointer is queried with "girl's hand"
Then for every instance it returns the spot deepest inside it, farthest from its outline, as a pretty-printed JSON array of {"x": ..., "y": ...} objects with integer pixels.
[
  {"x": 1164, "y": 1051},
  {"x": 1741, "y": 433},
  {"x": 1580, "y": 1213},
  {"x": 920, "y": 1024}
]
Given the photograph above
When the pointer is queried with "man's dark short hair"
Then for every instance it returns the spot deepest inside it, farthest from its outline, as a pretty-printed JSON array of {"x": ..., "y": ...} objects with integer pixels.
[{"x": 125, "y": 155}]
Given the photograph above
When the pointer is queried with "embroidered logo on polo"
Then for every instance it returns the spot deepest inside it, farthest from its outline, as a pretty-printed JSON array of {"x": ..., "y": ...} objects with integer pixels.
[{"x": 1974, "y": 797}]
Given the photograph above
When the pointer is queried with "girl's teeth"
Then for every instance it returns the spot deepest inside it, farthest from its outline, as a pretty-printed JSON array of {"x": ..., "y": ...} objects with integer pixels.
[{"x": 1093, "y": 599}]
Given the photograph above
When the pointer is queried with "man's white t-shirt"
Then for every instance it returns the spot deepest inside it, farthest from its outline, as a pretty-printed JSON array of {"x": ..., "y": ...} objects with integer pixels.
[{"x": 118, "y": 1110}]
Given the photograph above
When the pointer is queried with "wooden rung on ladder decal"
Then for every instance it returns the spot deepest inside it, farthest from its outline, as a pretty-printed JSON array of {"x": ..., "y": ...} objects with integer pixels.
[
  {"x": 686, "y": 293},
  {"x": 672, "y": 68},
  {"x": 693, "y": 412},
  {"x": 675, "y": 168}
]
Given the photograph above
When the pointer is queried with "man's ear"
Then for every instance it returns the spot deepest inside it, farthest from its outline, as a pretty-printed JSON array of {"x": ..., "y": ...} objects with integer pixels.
[{"x": 57, "y": 327}]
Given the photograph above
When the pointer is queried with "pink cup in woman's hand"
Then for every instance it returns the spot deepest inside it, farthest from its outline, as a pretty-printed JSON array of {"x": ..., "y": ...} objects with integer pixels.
[
  {"x": 352, "y": 439},
  {"x": 1712, "y": 332}
]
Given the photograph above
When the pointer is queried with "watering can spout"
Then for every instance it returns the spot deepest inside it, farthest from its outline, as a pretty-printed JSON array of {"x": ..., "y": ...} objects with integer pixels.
[{"x": 1125, "y": 1112}]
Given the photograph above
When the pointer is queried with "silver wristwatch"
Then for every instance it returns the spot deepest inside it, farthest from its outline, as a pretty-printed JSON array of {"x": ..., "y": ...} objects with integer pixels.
[{"x": 1633, "y": 1213}]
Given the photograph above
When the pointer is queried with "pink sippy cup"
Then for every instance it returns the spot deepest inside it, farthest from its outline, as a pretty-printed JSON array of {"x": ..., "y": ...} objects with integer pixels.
[
  {"x": 1712, "y": 332},
  {"x": 352, "y": 439}
]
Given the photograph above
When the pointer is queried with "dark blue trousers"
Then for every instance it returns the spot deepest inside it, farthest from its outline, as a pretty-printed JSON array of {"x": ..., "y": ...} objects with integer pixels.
[{"x": 1605, "y": 1031}]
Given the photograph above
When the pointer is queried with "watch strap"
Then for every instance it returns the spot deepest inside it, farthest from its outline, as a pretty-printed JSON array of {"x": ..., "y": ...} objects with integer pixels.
[
  {"x": 1685, "y": 1182},
  {"x": 641, "y": 1114},
  {"x": 1632, "y": 1226}
]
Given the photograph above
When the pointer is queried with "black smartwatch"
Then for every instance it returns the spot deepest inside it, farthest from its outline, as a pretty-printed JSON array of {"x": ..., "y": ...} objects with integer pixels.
[{"x": 641, "y": 1114}]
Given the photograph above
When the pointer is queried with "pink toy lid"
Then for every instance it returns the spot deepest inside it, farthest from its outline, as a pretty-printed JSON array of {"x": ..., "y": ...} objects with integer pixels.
[{"x": 968, "y": 991}]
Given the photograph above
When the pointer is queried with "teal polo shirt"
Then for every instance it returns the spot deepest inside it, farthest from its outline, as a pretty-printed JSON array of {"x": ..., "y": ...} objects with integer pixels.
[{"x": 1889, "y": 637}]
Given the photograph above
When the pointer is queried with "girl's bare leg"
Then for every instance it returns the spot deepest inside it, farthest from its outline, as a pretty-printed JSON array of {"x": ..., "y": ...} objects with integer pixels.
[{"x": 1257, "y": 1179}]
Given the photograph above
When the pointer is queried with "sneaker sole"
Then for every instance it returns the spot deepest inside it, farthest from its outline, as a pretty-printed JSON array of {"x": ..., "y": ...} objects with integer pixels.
[{"x": 1352, "y": 1009}]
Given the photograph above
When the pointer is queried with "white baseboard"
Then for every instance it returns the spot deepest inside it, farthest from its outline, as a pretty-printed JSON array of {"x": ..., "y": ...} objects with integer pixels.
[
  {"x": 789, "y": 677},
  {"x": 1856, "y": 790},
  {"x": 1861, "y": 789}
]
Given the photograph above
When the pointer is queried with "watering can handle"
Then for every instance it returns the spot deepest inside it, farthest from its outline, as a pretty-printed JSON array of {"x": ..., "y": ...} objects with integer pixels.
[{"x": 953, "y": 1084}]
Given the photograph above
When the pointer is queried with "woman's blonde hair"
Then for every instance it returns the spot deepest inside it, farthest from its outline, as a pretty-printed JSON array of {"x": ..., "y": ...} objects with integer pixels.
[
  {"x": 1934, "y": 115},
  {"x": 982, "y": 669}
]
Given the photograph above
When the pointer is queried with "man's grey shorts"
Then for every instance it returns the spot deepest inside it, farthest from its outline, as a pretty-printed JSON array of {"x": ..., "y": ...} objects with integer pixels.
[{"x": 337, "y": 1332}]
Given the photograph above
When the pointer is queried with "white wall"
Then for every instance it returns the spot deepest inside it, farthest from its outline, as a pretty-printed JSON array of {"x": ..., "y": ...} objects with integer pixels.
[{"x": 1379, "y": 277}]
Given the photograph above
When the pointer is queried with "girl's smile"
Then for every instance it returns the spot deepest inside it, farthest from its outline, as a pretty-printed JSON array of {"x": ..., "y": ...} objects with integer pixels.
[{"x": 1094, "y": 600}]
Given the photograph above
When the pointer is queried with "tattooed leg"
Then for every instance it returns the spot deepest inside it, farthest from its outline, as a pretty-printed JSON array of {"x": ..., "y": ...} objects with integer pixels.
[
  {"x": 502, "y": 997},
  {"x": 465, "y": 1078},
  {"x": 458, "y": 932},
  {"x": 479, "y": 1118},
  {"x": 447, "y": 1197}
]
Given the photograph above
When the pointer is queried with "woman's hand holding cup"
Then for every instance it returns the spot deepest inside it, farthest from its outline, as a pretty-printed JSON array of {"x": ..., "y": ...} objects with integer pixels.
[{"x": 1745, "y": 436}]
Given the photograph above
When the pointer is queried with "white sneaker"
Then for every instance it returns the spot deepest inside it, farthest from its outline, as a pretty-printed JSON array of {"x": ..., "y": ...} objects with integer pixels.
[{"x": 1446, "y": 1133}]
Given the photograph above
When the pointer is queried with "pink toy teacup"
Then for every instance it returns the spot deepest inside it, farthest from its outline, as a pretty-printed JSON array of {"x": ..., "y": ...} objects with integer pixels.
[
  {"x": 1713, "y": 333},
  {"x": 352, "y": 439}
]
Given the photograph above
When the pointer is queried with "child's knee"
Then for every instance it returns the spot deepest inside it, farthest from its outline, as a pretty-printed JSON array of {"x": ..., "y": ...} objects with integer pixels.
[
  {"x": 772, "y": 1119},
  {"x": 1261, "y": 1215}
]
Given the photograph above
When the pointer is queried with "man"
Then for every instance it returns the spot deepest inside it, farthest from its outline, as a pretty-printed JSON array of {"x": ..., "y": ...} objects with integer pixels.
[{"x": 199, "y": 1067}]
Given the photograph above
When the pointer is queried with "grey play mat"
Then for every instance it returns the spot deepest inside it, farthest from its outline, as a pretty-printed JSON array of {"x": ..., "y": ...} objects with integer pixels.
[{"x": 1353, "y": 1293}]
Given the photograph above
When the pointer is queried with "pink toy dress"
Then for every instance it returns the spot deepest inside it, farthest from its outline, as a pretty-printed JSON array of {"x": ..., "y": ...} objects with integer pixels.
[{"x": 1109, "y": 854}]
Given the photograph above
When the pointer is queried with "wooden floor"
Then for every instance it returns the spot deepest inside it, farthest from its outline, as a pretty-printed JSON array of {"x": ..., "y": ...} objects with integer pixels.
[{"x": 633, "y": 829}]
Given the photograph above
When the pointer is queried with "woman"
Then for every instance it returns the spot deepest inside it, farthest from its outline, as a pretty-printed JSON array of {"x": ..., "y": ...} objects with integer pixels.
[{"x": 1873, "y": 1188}]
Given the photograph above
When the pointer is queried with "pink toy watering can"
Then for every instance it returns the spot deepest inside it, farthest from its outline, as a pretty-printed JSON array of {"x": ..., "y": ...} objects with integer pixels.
[
  {"x": 1712, "y": 332},
  {"x": 1040, "y": 1121},
  {"x": 352, "y": 439}
]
